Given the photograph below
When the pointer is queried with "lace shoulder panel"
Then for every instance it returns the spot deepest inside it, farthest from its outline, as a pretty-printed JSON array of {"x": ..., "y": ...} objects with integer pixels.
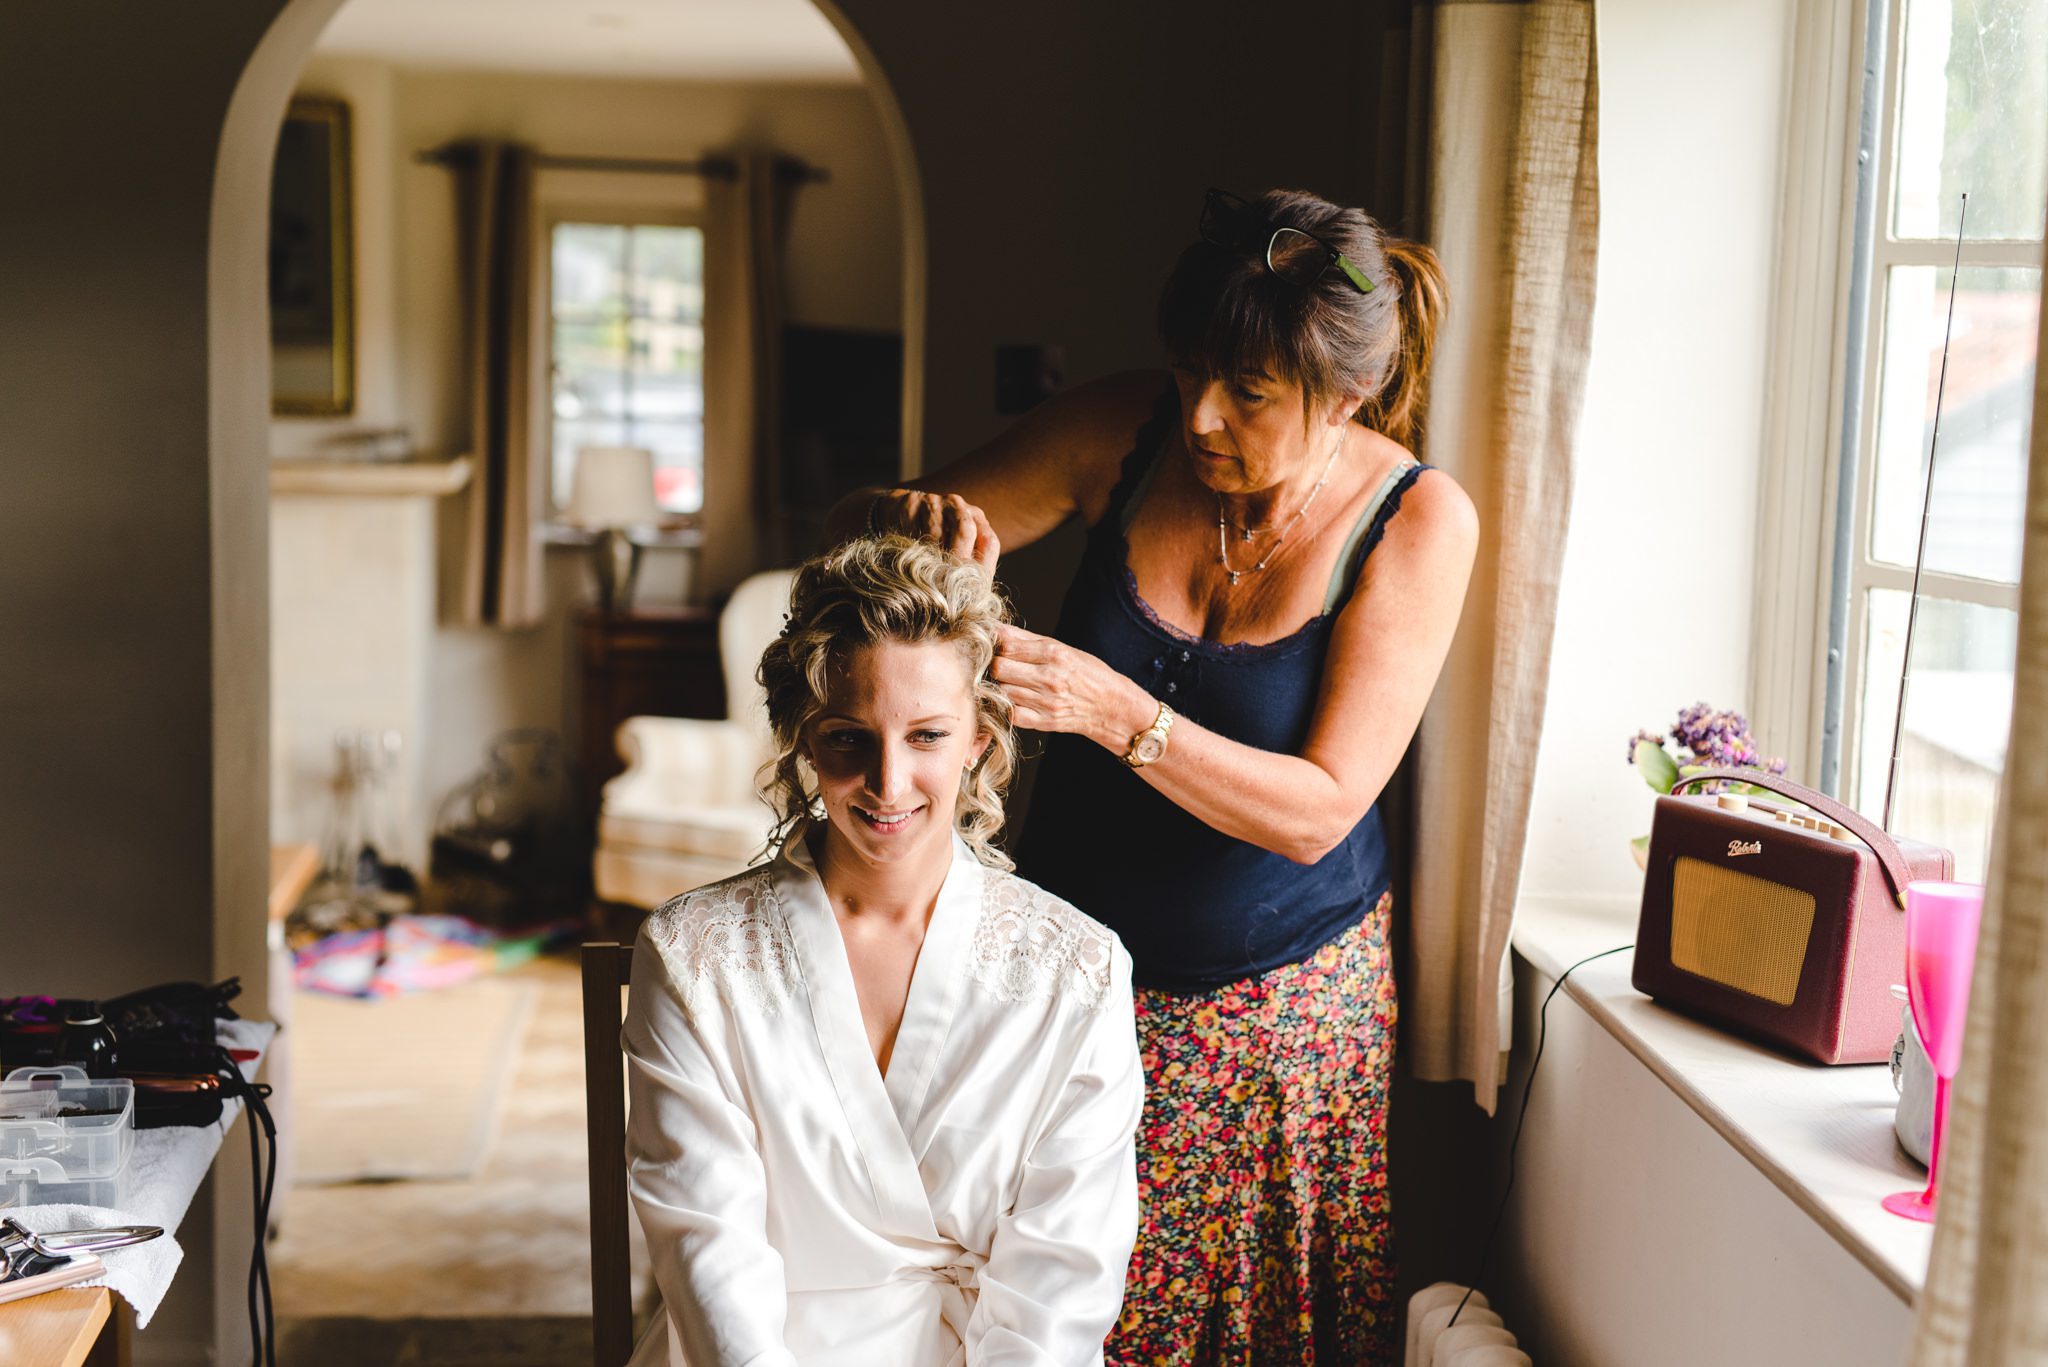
[
  {"x": 1031, "y": 946},
  {"x": 729, "y": 939}
]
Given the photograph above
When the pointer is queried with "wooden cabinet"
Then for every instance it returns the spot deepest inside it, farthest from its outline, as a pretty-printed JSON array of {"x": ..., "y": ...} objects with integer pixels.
[{"x": 659, "y": 662}]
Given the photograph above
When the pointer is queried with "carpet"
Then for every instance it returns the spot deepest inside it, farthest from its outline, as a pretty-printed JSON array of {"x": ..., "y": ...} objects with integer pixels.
[
  {"x": 510, "y": 1242},
  {"x": 404, "y": 1088}
]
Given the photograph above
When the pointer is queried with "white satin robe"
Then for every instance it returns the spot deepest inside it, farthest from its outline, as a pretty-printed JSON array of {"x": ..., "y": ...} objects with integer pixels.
[{"x": 976, "y": 1206}]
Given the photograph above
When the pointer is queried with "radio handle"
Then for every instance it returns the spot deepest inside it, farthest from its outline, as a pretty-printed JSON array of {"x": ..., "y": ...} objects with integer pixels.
[{"x": 1887, "y": 851}]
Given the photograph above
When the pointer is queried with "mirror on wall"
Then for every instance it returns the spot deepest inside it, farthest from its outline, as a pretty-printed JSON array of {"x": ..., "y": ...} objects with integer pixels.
[{"x": 312, "y": 264}]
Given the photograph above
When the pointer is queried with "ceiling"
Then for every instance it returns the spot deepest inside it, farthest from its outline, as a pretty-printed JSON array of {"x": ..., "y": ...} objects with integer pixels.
[{"x": 703, "y": 40}]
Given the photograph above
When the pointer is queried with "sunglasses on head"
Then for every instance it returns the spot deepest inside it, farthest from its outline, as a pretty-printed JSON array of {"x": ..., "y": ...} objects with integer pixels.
[{"x": 1298, "y": 257}]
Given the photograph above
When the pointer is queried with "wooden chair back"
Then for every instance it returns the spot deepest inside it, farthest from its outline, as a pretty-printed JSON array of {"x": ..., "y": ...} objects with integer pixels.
[{"x": 607, "y": 968}]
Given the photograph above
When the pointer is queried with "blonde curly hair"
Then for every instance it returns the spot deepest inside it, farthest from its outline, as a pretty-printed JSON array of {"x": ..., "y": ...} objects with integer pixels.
[{"x": 870, "y": 590}]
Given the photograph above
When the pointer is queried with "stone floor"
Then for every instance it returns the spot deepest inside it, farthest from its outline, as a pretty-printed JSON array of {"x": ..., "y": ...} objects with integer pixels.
[{"x": 491, "y": 1269}]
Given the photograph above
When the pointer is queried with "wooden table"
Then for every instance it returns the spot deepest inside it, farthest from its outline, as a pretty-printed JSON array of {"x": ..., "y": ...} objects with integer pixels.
[
  {"x": 65, "y": 1329},
  {"x": 292, "y": 868},
  {"x": 71, "y": 1327}
]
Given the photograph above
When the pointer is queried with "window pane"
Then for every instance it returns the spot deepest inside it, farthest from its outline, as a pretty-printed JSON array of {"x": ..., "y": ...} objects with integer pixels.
[
  {"x": 588, "y": 261},
  {"x": 668, "y": 273},
  {"x": 629, "y": 351},
  {"x": 1972, "y": 104},
  {"x": 1959, "y": 710},
  {"x": 1980, "y": 478},
  {"x": 671, "y": 355}
]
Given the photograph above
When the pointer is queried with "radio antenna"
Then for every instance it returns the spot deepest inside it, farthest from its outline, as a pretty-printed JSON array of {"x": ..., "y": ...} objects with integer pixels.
[{"x": 1891, "y": 783}]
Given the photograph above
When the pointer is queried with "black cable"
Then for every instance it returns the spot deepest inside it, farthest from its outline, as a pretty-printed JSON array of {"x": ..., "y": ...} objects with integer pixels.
[
  {"x": 1528, "y": 1086},
  {"x": 261, "y": 1107},
  {"x": 260, "y": 1255},
  {"x": 263, "y": 1187}
]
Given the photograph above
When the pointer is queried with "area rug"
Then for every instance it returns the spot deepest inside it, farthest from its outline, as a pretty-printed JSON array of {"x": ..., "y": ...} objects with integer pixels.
[
  {"x": 511, "y": 1242},
  {"x": 403, "y": 1088}
]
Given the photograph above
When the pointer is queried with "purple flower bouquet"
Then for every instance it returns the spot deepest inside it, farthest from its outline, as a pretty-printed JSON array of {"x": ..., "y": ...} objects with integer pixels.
[{"x": 1704, "y": 739}]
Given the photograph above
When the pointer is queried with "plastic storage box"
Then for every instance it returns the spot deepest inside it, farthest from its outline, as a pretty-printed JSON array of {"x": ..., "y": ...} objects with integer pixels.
[{"x": 65, "y": 1137}]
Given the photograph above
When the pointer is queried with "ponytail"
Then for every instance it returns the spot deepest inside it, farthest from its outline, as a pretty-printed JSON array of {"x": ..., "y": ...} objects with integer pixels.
[
  {"x": 1396, "y": 411},
  {"x": 1223, "y": 311}
]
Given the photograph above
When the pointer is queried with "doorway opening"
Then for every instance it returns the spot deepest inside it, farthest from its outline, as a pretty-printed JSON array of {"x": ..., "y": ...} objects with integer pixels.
[{"x": 432, "y": 1197}]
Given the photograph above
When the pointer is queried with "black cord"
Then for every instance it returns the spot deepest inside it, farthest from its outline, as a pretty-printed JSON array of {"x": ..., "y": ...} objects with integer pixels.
[
  {"x": 263, "y": 1186},
  {"x": 1528, "y": 1086}
]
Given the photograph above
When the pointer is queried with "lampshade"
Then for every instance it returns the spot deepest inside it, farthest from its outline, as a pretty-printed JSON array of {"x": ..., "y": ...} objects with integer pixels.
[{"x": 614, "y": 487}]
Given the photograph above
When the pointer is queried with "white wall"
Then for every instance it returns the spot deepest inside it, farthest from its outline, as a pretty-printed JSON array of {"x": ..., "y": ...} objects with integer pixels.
[
  {"x": 845, "y": 269},
  {"x": 1638, "y": 1234},
  {"x": 1654, "y": 610}
]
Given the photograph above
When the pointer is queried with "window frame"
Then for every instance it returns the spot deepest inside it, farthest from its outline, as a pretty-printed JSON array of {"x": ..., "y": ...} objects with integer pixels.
[
  {"x": 1866, "y": 571},
  {"x": 623, "y": 213},
  {"x": 1806, "y": 710},
  {"x": 1807, "y": 361}
]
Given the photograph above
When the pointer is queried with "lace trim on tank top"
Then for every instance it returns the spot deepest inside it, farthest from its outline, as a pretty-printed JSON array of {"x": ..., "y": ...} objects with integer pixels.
[{"x": 1230, "y": 650}]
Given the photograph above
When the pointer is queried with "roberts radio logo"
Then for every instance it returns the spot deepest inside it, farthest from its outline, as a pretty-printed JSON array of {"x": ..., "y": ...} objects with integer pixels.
[{"x": 1736, "y": 847}]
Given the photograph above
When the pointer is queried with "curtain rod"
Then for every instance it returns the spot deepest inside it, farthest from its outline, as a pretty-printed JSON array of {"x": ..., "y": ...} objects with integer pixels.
[{"x": 794, "y": 169}]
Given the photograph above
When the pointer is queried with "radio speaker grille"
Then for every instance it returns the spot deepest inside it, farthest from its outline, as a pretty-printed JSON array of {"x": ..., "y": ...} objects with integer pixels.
[{"x": 1739, "y": 930}]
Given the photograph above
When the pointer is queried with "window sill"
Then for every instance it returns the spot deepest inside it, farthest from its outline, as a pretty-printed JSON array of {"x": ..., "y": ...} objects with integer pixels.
[{"x": 1822, "y": 1136}]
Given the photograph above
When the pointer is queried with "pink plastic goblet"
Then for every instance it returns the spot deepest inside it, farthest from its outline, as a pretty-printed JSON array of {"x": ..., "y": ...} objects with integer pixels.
[{"x": 1941, "y": 951}]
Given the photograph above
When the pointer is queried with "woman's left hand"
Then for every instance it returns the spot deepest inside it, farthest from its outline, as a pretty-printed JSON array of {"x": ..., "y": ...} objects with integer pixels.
[{"x": 1054, "y": 687}]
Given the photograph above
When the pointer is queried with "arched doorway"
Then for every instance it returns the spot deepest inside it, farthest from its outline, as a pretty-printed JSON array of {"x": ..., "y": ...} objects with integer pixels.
[{"x": 244, "y": 437}]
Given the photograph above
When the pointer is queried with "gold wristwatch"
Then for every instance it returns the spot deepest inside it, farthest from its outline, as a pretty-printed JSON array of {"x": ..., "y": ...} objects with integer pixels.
[{"x": 1149, "y": 745}]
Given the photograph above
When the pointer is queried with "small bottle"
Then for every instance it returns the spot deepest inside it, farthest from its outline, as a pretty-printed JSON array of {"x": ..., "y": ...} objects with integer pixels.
[{"x": 86, "y": 1042}]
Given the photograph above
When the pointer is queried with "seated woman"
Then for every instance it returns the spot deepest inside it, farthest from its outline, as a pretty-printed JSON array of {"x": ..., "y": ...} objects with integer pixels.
[{"x": 884, "y": 1092}]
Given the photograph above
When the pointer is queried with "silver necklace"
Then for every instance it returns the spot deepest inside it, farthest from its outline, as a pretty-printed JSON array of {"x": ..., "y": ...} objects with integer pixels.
[{"x": 1280, "y": 538}]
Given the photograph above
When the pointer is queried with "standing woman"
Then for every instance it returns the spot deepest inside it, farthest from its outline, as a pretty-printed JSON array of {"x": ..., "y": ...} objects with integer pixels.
[{"x": 1269, "y": 590}]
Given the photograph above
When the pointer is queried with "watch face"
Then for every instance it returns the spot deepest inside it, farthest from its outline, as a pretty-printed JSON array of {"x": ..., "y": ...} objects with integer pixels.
[{"x": 1150, "y": 746}]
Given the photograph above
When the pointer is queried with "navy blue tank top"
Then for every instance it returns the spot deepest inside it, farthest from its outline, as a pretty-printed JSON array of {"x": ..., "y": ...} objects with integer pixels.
[{"x": 1196, "y": 908}]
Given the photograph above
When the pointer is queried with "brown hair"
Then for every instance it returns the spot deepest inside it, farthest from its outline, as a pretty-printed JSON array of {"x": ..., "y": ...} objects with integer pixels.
[
  {"x": 1223, "y": 313},
  {"x": 887, "y": 588}
]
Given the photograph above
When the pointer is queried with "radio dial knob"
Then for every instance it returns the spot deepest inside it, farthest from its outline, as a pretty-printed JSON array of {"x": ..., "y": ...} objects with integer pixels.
[{"x": 1733, "y": 802}]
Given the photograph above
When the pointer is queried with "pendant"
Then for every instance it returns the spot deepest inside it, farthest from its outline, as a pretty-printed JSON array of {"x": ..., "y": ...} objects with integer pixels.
[
  {"x": 1244, "y": 534},
  {"x": 1233, "y": 578}
]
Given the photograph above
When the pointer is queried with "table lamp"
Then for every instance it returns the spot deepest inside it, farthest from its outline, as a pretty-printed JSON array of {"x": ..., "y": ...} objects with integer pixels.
[{"x": 613, "y": 491}]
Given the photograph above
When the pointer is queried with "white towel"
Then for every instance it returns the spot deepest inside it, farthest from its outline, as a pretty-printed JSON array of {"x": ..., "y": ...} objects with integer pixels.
[{"x": 139, "y": 1273}]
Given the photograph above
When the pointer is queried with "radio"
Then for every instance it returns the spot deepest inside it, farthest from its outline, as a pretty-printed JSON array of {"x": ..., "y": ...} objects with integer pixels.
[{"x": 1788, "y": 926}]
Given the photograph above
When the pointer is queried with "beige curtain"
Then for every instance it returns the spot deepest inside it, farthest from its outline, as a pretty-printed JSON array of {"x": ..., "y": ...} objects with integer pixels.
[
  {"x": 747, "y": 217},
  {"x": 1984, "y": 1305},
  {"x": 1513, "y": 208},
  {"x": 508, "y": 400}
]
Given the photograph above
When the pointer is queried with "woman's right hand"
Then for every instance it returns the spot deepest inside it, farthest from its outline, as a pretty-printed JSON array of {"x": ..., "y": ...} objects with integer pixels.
[{"x": 947, "y": 519}]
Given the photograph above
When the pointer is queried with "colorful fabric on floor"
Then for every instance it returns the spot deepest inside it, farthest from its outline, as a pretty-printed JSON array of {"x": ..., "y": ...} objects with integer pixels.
[
  {"x": 416, "y": 953},
  {"x": 1266, "y": 1237}
]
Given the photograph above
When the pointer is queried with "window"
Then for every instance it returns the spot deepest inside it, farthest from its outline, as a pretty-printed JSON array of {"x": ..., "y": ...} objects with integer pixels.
[
  {"x": 626, "y": 322},
  {"x": 1965, "y": 103}
]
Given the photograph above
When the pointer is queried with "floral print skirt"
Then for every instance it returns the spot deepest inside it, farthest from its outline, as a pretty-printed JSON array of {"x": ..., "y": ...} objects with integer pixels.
[{"x": 1265, "y": 1236}]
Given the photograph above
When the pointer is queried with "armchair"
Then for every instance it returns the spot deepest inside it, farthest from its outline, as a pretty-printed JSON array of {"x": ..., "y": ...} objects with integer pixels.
[{"x": 686, "y": 811}]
